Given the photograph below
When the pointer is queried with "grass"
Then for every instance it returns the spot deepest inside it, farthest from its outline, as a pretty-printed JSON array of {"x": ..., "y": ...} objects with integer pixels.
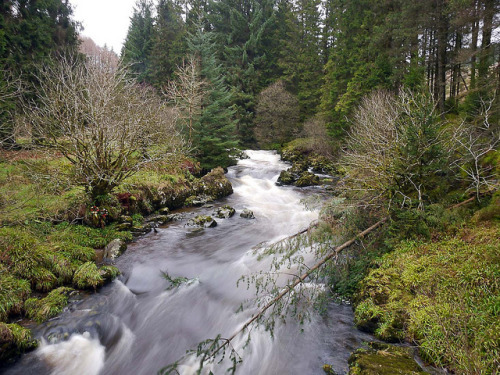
[
  {"x": 48, "y": 307},
  {"x": 442, "y": 294}
]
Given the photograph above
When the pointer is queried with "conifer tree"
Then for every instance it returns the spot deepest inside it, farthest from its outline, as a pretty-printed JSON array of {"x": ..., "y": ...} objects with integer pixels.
[
  {"x": 138, "y": 44},
  {"x": 169, "y": 46},
  {"x": 214, "y": 132}
]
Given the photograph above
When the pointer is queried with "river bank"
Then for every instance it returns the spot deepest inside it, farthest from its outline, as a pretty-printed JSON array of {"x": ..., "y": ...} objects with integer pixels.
[{"x": 51, "y": 235}]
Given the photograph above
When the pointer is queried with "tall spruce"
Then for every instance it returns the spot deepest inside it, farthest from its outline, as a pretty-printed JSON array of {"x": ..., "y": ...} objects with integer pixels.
[
  {"x": 136, "y": 50},
  {"x": 169, "y": 45},
  {"x": 214, "y": 132}
]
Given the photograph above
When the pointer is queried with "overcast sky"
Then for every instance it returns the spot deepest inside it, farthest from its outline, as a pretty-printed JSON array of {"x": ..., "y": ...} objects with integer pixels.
[{"x": 105, "y": 21}]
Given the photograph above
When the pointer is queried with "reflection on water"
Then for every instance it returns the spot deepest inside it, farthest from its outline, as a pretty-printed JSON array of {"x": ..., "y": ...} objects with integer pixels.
[{"x": 136, "y": 326}]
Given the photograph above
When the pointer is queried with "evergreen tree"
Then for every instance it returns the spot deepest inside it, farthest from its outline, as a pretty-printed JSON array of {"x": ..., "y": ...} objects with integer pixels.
[
  {"x": 168, "y": 42},
  {"x": 214, "y": 132},
  {"x": 138, "y": 44},
  {"x": 240, "y": 27}
]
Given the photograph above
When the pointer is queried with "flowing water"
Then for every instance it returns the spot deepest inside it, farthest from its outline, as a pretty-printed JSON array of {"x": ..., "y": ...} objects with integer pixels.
[{"x": 136, "y": 326}]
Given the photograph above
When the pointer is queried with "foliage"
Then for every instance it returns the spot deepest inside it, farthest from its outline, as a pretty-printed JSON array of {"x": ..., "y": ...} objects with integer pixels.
[
  {"x": 395, "y": 150},
  {"x": 15, "y": 340},
  {"x": 87, "y": 276},
  {"x": 414, "y": 295},
  {"x": 214, "y": 131},
  {"x": 277, "y": 115},
  {"x": 43, "y": 309},
  {"x": 13, "y": 292},
  {"x": 136, "y": 50}
]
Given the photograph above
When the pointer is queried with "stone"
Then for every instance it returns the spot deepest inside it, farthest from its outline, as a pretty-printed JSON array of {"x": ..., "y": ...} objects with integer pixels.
[
  {"x": 380, "y": 359},
  {"x": 114, "y": 248},
  {"x": 224, "y": 212},
  {"x": 285, "y": 178},
  {"x": 202, "y": 221},
  {"x": 307, "y": 179},
  {"x": 126, "y": 219},
  {"x": 123, "y": 226},
  {"x": 139, "y": 230},
  {"x": 162, "y": 219},
  {"x": 164, "y": 211},
  {"x": 198, "y": 200},
  {"x": 247, "y": 214}
]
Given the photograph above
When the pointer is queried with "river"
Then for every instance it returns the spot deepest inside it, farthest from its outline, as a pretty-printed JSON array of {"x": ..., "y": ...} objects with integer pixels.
[{"x": 136, "y": 326}]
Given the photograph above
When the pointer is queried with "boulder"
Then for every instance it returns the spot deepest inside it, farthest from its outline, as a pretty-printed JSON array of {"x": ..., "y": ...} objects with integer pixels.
[
  {"x": 247, "y": 214},
  {"x": 224, "y": 212},
  {"x": 126, "y": 219},
  {"x": 202, "y": 221},
  {"x": 285, "y": 178},
  {"x": 307, "y": 179},
  {"x": 161, "y": 219},
  {"x": 139, "y": 230},
  {"x": 114, "y": 248},
  {"x": 123, "y": 226},
  {"x": 198, "y": 200},
  {"x": 380, "y": 359},
  {"x": 164, "y": 211}
]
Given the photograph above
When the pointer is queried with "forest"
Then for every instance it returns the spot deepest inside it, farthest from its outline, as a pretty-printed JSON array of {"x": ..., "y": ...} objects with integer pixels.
[{"x": 397, "y": 101}]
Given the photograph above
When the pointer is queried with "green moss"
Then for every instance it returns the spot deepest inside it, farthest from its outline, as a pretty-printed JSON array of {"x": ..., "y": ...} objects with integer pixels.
[
  {"x": 444, "y": 295},
  {"x": 87, "y": 276},
  {"x": 380, "y": 359},
  {"x": 109, "y": 272},
  {"x": 43, "y": 309},
  {"x": 13, "y": 292},
  {"x": 14, "y": 340}
]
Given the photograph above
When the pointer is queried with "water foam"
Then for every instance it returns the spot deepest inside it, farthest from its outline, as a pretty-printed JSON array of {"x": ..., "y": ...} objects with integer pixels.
[{"x": 79, "y": 355}]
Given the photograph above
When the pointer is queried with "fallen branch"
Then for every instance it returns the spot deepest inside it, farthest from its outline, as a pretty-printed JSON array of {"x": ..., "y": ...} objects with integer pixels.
[{"x": 301, "y": 279}]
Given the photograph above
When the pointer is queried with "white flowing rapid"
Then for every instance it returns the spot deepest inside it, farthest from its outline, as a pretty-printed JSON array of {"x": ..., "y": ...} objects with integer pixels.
[{"x": 136, "y": 326}]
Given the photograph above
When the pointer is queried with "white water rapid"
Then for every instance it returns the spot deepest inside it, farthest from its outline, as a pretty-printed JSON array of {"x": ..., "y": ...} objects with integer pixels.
[{"x": 136, "y": 326}]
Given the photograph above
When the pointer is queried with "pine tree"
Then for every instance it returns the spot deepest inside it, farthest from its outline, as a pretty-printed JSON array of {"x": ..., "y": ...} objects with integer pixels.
[
  {"x": 138, "y": 44},
  {"x": 214, "y": 132},
  {"x": 169, "y": 46}
]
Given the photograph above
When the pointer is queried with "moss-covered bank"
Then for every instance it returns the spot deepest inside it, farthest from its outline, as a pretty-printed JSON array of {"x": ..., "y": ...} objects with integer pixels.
[
  {"x": 442, "y": 294},
  {"x": 43, "y": 257}
]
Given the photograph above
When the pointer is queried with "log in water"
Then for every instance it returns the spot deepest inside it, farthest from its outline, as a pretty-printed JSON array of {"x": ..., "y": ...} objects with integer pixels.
[{"x": 136, "y": 325}]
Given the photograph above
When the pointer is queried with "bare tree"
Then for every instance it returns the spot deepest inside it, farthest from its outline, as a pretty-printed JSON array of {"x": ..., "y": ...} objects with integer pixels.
[
  {"x": 105, "y": 124},
  {"x": 394, "y": 148},
  {"x": 318, "y": 139},
  {"x": 277, "y": 115},
  {"x": 187, "y": 92},
  {"x": 10, "y": 89},
  {"x": 97, "y": 53},
  {"x": 473, "y": 143}
]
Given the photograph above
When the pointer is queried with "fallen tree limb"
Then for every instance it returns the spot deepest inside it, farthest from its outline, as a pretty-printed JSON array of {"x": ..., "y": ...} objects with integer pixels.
[{"x": 301, "y": 279}]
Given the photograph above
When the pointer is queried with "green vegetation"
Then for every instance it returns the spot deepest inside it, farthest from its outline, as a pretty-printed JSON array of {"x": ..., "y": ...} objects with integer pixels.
[
  {"x": 14, "y": 340},
  {"x": 48, "y": 307}
]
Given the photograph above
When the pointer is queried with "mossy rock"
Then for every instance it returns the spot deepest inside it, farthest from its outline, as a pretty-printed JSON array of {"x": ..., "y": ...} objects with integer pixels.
[
  {"x": 202, "y": 221},
  {"x": 224, "y": 212},
  {"x": 43, "y": 309},
  {"x": 109, "y": 272},
  {"x": 383, "y": 359},
  {"x": 307, "y": 179},
  {"x": 88, "y": 276},
  {"x": 198, "y": 200},
  {"x": 285, "y": 178},
  {"x": 14, "y": 340},
  {"x": 215, "y": 184}
]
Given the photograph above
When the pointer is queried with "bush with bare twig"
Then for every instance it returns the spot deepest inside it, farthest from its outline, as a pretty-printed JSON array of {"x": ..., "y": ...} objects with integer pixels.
[{"x": 102, "y": 121}]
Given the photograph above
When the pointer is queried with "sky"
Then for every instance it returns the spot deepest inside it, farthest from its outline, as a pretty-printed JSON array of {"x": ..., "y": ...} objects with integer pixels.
[{"x": 105, "y": 21}]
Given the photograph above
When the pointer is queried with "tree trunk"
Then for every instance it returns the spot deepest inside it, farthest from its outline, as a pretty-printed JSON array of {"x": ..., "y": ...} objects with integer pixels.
[
  {"x": 473, "y": 46},
  {"x": 442, "y": 39}
]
